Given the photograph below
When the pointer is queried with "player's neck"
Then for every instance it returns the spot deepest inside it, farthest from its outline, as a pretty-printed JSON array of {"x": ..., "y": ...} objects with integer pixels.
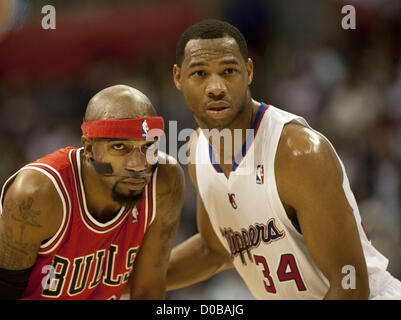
[
  {"x": 246, "y": 118},
  {"x": 240, "y": 129}
]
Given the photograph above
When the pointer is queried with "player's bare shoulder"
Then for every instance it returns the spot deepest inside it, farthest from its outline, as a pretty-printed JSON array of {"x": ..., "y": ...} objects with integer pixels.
[
  {"x": 303, "y": 156},
  {"x": 31, "y": 213},
  {"x": 302, "y": 144},
  {"x": 31, "y": 188}
]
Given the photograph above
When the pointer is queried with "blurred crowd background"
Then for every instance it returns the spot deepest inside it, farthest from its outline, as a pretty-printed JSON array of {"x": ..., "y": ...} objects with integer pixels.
[{"x": 346, "y": 83}]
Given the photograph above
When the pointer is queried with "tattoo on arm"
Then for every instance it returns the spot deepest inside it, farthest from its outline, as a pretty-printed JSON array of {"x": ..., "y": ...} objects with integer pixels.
[
  {"x": 26, "y": 216},
  {"x": 15, "y": 256},
  {"x": 14, "y": 251},
  {"x": 169, "y": 221}
]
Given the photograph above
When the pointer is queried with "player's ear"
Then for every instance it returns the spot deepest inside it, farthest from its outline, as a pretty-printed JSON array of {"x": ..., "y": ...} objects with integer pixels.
[
  {"x": 87, "y": 143},
  {"x": 177, "y": 77},
  {"x": 249, "y": 69}
]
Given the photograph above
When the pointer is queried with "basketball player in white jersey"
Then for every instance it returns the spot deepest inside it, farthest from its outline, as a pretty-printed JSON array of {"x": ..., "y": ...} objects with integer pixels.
[{"x": 281, "y": 211}]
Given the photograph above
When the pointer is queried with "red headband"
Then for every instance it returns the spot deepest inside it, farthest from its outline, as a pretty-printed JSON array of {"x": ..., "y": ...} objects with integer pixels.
[{"x": 138, "y": 129}]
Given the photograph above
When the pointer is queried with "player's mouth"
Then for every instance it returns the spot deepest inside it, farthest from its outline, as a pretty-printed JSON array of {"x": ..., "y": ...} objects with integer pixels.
[
  {"x": 217, "y": 109},
  {"x": 134, "y": 184}
]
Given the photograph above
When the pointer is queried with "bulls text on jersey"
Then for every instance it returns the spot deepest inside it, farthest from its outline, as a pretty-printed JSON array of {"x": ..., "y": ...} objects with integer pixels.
[{"x": 78, "y": 271}]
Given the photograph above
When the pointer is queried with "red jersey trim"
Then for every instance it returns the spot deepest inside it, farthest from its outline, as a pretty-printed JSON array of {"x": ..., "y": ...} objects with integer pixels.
[{"x": 88, "y": 220}]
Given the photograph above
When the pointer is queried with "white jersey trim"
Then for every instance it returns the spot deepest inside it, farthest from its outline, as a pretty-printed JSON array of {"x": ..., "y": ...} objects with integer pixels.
[
  {"x": 83, "y": 208},
  {"x": 66, "y": 215}
]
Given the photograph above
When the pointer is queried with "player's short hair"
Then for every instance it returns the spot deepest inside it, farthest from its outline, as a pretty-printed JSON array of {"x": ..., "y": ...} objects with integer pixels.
[{"x": 210, "y": 29}]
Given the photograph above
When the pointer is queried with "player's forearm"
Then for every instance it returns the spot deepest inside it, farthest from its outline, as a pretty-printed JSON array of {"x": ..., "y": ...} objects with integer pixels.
[
  {"x": 156, "y": 292},
  {"x": 192, "y": 262}
]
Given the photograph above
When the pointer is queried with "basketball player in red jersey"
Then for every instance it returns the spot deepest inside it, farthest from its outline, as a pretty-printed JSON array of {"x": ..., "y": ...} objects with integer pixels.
[{"x": 84, "y": 223}]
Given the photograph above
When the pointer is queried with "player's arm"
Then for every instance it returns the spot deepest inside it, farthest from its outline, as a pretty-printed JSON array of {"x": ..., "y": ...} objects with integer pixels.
[
  {"x": 201, "y": 256},
  {"x": 309, "y": 179},
  {"x": 198, "y": 258},
  {"x": 31, "y": 213},
  {"x": 148, "y": 280}
]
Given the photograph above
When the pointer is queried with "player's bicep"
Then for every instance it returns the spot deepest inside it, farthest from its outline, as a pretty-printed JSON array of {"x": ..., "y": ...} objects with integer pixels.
[
  {"x": 312, "y": 185},
  {"x": 18, "y": 248},
  {"x": 19, "y": 231},
  {"x": 24, "y": 222},
  {"x": 331, "y": 234}
]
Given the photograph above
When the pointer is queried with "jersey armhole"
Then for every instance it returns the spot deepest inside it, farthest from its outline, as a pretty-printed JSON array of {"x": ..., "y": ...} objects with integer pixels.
[{"x": 54, "y": 176}]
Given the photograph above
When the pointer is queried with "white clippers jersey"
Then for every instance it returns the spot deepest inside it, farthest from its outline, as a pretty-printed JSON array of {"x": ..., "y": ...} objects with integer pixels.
[{"x": 248, "y": 217}]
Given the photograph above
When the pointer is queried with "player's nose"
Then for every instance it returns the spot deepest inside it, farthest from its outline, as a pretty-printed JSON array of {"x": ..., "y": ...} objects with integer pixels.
[
  {"x": 135, "y": 161},
  {"x": 215, "y": 87}
]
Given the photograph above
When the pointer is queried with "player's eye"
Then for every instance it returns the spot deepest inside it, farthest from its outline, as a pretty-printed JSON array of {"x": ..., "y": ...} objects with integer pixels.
[
  {"x": 118, "y": 147},
  {"x": 229, "y": 71},
  {"x": 199, "y": 73},
  {"x": 149, "y": 146}
]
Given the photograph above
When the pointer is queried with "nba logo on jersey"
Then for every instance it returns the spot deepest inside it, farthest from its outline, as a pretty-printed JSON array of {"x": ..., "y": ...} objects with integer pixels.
[
  {"x": 260, "y": 174},
  {"x": 231, "y": 198},
  {"x": 134, "y": 215},
  {"x": 145, "y": 128}
]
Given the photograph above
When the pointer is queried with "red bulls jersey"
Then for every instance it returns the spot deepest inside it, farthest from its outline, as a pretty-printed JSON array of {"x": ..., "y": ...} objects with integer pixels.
[{"x": 85, "y": 259}]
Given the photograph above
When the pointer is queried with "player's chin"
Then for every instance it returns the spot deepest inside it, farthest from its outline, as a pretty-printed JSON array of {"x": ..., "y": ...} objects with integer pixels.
[
  {"x": 127, "y": 197},
  {"x": 128, "y": 189},
  {"x": 219, "y": 122}
]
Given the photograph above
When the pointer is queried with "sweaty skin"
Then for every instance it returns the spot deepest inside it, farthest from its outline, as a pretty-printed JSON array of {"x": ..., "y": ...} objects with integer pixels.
[{"x": 308, "y": 175}]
